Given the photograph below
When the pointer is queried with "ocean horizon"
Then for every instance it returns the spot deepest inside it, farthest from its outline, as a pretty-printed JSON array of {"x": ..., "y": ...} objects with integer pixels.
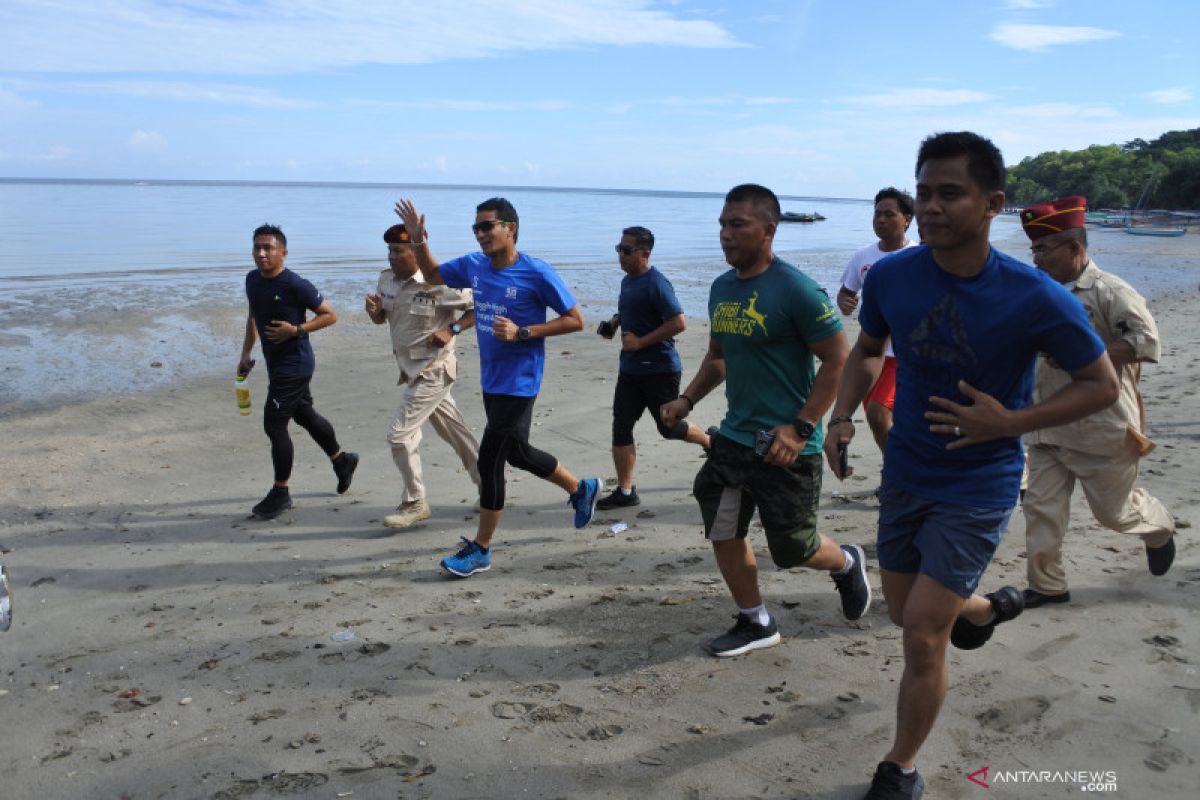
[{"x": 101, "y": 277}]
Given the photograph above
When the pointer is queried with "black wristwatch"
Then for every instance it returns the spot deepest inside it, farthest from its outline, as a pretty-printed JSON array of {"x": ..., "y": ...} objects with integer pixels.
[
  {"x": 523, "y": 333},
  {"x": 301, "y": 333},
  {"x": 455, "y": 328},
  {"x": 804, "y": 428}
]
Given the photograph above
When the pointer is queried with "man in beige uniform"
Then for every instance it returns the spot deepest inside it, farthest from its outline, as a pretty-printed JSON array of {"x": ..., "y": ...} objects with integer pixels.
[
  {"x": 424, "y": 320},
  {"x": 1101, "y": 451}
]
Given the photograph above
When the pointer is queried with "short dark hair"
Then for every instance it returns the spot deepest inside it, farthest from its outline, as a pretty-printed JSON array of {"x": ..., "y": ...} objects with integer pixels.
[
  {"x": 984, "y": 162},
  {"x": 903, "y": 199},
  {"x": 763, "y": 199},
  {"x": 642, "y": 237},
  {"x": 505, "y": 212},
  {"x": 267, "y": 229}
]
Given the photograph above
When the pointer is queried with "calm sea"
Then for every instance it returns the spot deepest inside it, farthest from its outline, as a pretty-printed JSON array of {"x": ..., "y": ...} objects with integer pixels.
[{"x": 99, "y": 278}]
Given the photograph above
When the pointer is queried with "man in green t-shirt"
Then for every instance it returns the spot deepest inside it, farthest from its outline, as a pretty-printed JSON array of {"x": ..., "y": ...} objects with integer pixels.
[{"x": 768, "y": 320}]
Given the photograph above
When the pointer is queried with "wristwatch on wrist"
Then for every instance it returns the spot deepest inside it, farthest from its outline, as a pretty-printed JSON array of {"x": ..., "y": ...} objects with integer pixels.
[
  {"x": 804, "y": 428},
  {"x": 523, "y": 333},
  {"x": 455, "y": 328},
  {"x": 301, "y": 333}
]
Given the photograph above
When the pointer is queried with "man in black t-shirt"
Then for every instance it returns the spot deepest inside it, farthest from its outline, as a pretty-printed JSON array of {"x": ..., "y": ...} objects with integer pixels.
[{"x": 278, "y": 301}]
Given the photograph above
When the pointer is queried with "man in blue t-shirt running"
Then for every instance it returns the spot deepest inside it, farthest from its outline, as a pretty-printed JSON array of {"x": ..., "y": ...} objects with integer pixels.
[
  {"x": 649, "y": 317},
  {"x": 511, "y": 291},
  {"x": 966, "y": 323},
  {"x": 279, "y": 300}
]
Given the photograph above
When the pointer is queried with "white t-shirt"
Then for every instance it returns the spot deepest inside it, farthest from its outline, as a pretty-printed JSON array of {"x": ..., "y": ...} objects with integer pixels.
[{"x": 857, "y": 268}]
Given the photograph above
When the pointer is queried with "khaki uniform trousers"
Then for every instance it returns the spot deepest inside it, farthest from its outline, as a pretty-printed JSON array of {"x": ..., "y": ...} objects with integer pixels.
[
  {"x": 1107, "y": 483},
  {"x": 427, "y": 397}
]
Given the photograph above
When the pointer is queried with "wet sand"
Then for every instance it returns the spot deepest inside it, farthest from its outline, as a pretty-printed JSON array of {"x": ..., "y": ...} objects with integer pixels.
[{"x": 166, "y": 645}]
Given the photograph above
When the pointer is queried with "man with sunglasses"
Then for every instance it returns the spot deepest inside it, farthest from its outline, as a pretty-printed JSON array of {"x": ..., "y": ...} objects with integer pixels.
[
  {"x": 649, "y": 317},
  {"x": 512, "y": 292},
  {"x": 424, "y": 321},
  {"x": 1100, "y": 451}
]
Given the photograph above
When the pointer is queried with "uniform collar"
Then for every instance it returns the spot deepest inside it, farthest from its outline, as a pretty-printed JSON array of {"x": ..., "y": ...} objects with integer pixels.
[{"x": 1087, "y": 278}]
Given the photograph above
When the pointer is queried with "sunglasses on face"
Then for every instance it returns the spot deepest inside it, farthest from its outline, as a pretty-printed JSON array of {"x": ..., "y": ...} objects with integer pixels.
[
  {"x": 626, "y": 251},
  {"x": 486, "y": 225}
]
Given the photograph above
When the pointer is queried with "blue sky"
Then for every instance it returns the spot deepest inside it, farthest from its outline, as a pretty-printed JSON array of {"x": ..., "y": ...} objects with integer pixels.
[{"x": 824, "y": 97}]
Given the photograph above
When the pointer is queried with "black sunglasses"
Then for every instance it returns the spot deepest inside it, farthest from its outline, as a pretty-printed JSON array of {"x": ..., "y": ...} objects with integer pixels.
[
  {"x": 487, "y": 225},
  {"x": 626, "y": 250}
]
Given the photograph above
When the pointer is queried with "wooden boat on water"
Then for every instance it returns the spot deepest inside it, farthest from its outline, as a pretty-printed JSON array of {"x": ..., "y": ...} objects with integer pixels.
[
  {"x": 797, "y": 216},
  {"x": 1149, "y": 231}
]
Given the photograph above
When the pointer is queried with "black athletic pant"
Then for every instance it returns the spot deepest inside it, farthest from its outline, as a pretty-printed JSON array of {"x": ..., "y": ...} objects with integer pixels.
[
  {"x": 506, "y": 439},
  {"x": 287, "y": 399}
]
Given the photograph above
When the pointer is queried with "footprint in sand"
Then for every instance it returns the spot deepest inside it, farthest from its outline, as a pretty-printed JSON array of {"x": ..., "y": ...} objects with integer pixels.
[{"x": 1005, "y": 717}]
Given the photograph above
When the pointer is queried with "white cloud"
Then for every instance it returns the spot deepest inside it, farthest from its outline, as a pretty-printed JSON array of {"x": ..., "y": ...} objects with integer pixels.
[
  {"x": 57, "y": 152},
  {"x": 274, "y": 37},
  {"x": 225, "y": 94},
  {"x": 439, "y": 163},
  {"x": 919, "y": 98},
  {"x": 1176, "y": 94},
  {"x": 1027, "y": 5},
  {"x": 472, "y": 106},
  {"x": 1041, "y": 37},
  {"x": 147, "y": 142},
  {"x": 13, "y": 101}
]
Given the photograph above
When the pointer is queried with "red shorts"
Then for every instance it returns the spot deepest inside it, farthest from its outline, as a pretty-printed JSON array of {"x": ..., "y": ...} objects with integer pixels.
[{"x": 884, "y": 390}]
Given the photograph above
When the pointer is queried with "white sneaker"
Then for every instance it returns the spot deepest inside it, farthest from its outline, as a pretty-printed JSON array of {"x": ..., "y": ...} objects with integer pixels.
[
  {"x": 5, "y": 601},
  {"x": 408, "y": 514}
]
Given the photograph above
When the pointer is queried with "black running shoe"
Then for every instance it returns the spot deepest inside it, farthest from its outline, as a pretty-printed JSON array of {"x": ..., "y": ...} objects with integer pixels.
[
  {"x": 1160, "y": 559},
  {"x": 744, "y": 636},
  {"x": 854, "y": 587},
  {"x": 890, "y": 783},
  {"x": 344, "y": 469},
  {"x": 275, "y": 503},
  {"x": 618, "y": 499},
  {"x": 1008, "y": 602},
  {"x": 1036, "y": 599}
]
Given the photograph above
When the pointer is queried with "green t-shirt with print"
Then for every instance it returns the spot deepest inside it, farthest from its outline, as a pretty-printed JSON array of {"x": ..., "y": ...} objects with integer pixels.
[{"x": 764, "y": 326}]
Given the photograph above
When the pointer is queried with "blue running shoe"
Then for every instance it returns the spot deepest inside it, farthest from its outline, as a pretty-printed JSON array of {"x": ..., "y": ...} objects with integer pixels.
[
  {"x": 584, "y": 500},
  {"x": 470, "y": 559}
]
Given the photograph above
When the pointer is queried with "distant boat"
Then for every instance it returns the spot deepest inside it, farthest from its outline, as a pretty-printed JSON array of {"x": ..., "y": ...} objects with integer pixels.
[
  {"x": 796, "y": 216},
  {"x": 1148, "y": 231}
]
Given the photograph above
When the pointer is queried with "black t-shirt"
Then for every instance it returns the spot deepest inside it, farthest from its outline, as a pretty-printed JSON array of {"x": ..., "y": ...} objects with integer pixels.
[{"x": 284, "y": 297}]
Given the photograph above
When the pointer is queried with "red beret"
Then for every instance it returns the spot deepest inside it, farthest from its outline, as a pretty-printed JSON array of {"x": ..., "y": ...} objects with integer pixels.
[
  {"x": 1054, "y": 216},
  {"x": 397, "y": 234}
]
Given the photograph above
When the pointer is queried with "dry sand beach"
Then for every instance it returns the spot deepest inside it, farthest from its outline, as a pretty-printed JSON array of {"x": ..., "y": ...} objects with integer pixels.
[{"x": 167, "y": 645}]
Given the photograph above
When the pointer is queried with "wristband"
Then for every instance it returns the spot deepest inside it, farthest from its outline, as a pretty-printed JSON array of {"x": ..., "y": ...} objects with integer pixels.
[
  {"x": 691, "y": 403},
  {"x": 844, "y": 418}
]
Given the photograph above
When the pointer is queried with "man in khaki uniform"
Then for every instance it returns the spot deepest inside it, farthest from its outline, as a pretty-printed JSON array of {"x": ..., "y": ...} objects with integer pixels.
[
  {"x": 1100, "y": 451},
  {"x": 424, "y": 320}
]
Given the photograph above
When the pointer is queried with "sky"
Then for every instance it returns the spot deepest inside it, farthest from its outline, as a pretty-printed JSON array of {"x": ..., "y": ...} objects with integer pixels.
[{"x": 809, "y": 97}]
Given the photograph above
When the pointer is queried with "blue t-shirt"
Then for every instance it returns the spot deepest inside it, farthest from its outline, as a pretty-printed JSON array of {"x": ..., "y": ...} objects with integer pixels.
[
  {"x": 986, "y": 330},
  {"x": 646, "y": 302},
  {"x": 284, "y": 297},
  {"x": 522, "y": 293},
  {"x": 764, "y": 326}
]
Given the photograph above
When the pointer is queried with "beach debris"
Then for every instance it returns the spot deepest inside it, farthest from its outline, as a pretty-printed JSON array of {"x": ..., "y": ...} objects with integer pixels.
[
  {"x": 343, "y": 636},
  {"x": 263, "y": 716},
  {"x": 761, "y": 719},
  {"x": 1107, "y": 698},
  {"x": 849, "y": 697},
  {"x": 129, "y": 694},
  {"x": 186, "y": 701},
  {"x": 156, "y": 364},
  {"x": 650, "y": 761},
  {"x": 618, "y": 527},
  {"x": 602, "y": 732},
  {"x": 40, "y": 581}
]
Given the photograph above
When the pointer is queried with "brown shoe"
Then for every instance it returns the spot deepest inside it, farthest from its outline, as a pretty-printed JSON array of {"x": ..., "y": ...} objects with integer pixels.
[{"x": 408, "y": 514}]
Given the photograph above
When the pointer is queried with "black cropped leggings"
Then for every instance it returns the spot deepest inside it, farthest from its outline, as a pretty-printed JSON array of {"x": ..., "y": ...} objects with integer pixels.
[
  {"x": 506, "y": 439},
  {"x": 288, "y": 399}
]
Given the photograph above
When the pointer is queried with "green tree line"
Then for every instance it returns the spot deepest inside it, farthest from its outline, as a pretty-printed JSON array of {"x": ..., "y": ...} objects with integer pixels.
[{"x": 1113, "y": 176}]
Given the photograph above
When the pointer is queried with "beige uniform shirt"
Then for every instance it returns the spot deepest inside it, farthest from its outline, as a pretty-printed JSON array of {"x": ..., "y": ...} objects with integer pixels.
[
  {"x": 1117, "y": 313},
  {"x": 414, "y": 310}
]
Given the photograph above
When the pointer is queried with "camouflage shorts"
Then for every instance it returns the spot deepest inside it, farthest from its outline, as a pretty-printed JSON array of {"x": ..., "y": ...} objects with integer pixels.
[{"x": 735, "y": 481}]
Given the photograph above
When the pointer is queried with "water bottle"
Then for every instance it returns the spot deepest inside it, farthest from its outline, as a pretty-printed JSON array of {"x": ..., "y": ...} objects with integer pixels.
[
  {"x": 5, "y": 601},
  {"x": 242, "y": 389}
]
